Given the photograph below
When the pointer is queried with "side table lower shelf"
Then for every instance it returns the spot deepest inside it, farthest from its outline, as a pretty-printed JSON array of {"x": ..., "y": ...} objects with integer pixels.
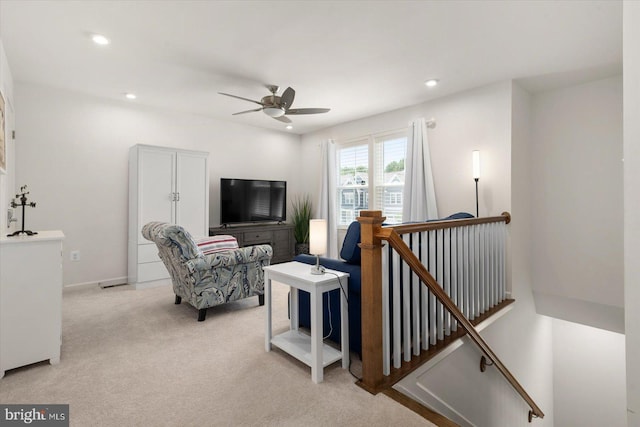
[{"x": 298, "y": 345}]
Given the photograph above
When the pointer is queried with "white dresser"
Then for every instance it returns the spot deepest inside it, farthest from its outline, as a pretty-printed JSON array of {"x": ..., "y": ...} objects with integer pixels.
[
  {"x": 30, "y": 299},
  {"x": 168, "y": 185}
]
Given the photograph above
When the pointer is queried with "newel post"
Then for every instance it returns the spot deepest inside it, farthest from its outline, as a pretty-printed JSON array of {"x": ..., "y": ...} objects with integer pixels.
[{"x": 371, "y": 299}]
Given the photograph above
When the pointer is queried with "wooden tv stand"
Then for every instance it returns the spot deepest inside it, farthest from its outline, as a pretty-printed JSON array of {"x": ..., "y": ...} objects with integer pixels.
[{"x": 278, "y": 236}]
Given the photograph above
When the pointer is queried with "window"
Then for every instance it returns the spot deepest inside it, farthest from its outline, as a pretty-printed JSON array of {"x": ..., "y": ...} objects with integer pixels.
[
  {"x": 378, "y": 160},
  {"x": 353, "y": 176}
]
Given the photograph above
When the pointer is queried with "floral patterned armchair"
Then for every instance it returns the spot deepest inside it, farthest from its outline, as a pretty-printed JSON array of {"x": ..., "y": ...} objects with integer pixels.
[{"x": 208, "y": 280}]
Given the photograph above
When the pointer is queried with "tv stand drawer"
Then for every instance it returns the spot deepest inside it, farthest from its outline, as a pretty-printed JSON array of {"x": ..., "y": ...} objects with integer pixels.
[
  {"x": 257, "y": 236},
  {"x": 279, "y": 236}
]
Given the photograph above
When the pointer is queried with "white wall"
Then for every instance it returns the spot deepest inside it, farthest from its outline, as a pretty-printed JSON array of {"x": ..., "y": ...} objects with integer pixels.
[
  {"x": 631, "y": 53},
  {"x": 522, "y": 339},
  {"x": 7, "y": 190},
  {"x": 473, "y": 120},
  {"x": 72, "y": 151},
  {"x": 589, "y": 376},
  {"x": 577, "y": 203}
]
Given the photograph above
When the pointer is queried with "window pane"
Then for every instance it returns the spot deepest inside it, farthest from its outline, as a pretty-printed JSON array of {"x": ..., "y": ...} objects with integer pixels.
[
  {"x": 353, "y": 182},
  {"x": 389, "y": 176}
]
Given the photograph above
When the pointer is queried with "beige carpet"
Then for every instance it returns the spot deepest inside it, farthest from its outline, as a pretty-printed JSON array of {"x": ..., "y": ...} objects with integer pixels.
[{"x": 133, "y": 358}]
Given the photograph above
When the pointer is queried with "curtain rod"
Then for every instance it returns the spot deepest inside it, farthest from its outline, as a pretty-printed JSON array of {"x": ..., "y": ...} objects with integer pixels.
[{"x": 431, "y": 124}]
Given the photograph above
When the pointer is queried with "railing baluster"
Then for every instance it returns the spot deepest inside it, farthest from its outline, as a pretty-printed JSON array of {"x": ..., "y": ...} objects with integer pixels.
[
  {"x": 386, "y": 321},
  {"x": 485, "y": 261},
  {"x": 397, "y": 337},
  {"x": 432, "y": 299},
  {"x": 424, "y": 292},
  {"x": 406, "y": 306},
  {"x": 446, "y": 276},
  {"x": 476, "y": 271},
  {"x": 480, "y": 259},
  {"x": 416, "y": 315},
  {"x": 466, "y": 261},
  {"x": 494, "y": 265},
  {"x": 503, "y": 272},
  {"x": 490, "y": 265},
  {"x": 472, "y": 274},
  {"x": 453, "y": 271},
  {"x": 438, "y": 276},
  {"x": 460, "y": 261}
]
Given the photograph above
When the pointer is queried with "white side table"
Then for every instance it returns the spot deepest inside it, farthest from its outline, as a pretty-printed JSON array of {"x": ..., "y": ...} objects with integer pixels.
[{"x": 308, "y": 349}]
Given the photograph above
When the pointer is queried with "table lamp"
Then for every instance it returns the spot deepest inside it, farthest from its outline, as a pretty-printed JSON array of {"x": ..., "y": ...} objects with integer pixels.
[{"x": 317, "y": 242}]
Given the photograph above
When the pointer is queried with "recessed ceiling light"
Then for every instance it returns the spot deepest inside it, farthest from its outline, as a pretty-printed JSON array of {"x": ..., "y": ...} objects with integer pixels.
[
  {"x": 100, "y": 39},
  {"x": 289, "y": 127},
  {"x": 431, "y": 83},
  {"x": 130, "y": 95}
]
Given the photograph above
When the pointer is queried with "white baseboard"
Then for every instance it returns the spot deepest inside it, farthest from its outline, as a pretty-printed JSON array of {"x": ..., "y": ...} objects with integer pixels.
[
  {"x": 105, "y": 283},
  {"x": 151, "y": 284}
]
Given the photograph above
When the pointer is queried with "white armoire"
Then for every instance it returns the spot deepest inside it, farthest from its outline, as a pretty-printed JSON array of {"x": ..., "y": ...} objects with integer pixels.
[{"x": 169, "y": 185}]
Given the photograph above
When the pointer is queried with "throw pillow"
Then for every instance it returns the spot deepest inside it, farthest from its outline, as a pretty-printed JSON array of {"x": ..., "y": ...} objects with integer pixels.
[{"x": 219, "y": 243}]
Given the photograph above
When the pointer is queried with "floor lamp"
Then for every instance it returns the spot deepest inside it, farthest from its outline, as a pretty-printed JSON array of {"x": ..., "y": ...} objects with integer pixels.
[{"x": 476, "y": 176}]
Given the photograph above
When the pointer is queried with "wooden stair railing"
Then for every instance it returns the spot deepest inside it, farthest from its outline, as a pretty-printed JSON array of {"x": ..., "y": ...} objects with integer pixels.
[{"x": 372, "y": 236}]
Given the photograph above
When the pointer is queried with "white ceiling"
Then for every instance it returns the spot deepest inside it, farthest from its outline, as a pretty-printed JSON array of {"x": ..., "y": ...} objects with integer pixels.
[{"x": 358, "y": 58}]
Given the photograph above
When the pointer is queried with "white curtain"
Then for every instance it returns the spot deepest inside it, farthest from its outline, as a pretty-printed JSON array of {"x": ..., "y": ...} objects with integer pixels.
[
  {"x": 327, "y": 203},
  {"x": 419, "y": 196}
]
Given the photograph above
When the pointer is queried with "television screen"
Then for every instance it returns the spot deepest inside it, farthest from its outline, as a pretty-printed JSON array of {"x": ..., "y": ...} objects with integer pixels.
[{"x": 252, "y": 200}]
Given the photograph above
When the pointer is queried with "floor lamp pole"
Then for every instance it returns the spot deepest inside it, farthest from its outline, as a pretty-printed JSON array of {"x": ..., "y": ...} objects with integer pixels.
[{"x": 477, "y": 211}]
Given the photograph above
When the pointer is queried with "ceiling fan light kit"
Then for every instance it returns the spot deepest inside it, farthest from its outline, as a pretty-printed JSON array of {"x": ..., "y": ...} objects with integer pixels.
[
  {"x": 273, "y": 111},
  {"x": 278, "y": 107}
]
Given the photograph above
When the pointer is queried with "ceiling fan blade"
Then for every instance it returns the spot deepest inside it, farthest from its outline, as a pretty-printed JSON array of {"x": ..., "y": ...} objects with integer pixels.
[
  {"x": 286, "y": 100},
  {"x": 248, "y": 111},
  {"x": 283, "y": 119},
  {"x": 307, "y": 110},
  {"x": 239, "y": 97}
]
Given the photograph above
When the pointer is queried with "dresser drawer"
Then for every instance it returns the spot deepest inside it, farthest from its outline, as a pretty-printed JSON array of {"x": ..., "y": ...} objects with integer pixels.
[
  {"x": 148, "y": 253},
  {"x": 281, "y": 251},
  {"x": 253, "y": 237},
  {"x": 152, "y": 271}
]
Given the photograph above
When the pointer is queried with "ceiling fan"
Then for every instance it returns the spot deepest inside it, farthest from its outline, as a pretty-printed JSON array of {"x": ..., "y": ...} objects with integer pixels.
[{"x": 276, "y": 106}]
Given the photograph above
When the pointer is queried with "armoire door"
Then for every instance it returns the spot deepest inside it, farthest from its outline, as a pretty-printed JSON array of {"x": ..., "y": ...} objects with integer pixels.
[
  {"x": 156, "y": 175},
  {"x": 192, "y": 189}
]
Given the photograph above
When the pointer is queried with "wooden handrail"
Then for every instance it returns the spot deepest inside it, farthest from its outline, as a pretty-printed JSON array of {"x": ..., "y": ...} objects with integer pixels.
[
  {"x": 449, "y": 223},
  {"x": 372, "y": 235}
]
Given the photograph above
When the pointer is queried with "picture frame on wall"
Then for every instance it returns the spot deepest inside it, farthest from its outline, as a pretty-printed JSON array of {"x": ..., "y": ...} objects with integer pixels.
[{"x": 3, "y": 144}]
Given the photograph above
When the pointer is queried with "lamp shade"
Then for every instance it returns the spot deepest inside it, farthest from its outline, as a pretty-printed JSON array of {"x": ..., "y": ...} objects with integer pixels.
[
  {"x": 476, "y": 164},
  {"x": 317, "y": 236}
]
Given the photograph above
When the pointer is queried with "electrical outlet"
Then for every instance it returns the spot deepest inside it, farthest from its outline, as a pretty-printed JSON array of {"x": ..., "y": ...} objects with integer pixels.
[{"x": 74, "y": 256}]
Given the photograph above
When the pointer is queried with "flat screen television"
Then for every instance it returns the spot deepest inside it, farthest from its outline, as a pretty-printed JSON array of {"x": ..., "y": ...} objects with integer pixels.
[{"x": 252, "y": 200}]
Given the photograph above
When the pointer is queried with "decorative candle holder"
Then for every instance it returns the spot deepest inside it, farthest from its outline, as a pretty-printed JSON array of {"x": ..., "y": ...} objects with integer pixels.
[{"x": 23, "y": 202}]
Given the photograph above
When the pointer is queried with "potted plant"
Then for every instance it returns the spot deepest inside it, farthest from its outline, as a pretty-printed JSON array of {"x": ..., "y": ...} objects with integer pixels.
[{"x": 300, "y": 217}]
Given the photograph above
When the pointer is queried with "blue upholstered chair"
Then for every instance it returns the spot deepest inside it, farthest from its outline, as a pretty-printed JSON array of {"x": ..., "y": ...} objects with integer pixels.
[{"x": 208, "y": 280}]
